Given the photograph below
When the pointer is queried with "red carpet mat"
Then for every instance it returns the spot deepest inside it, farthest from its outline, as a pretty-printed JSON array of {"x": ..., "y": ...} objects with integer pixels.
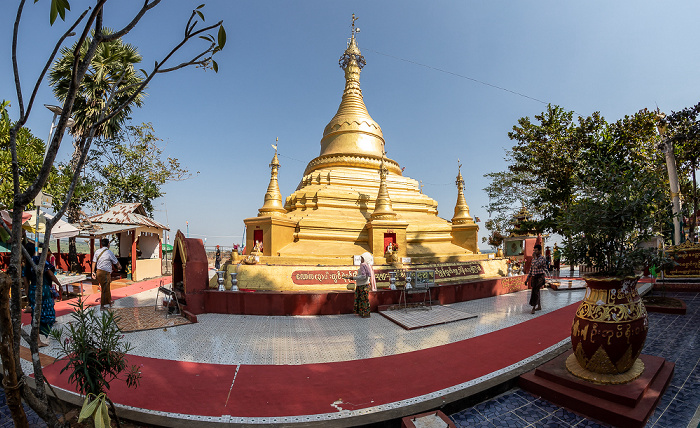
[
  {"x": 63, "y": 307},
  {"x": 293, "y": 390}
]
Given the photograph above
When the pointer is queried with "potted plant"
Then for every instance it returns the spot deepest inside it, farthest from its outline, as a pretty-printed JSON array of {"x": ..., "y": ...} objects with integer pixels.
[{"x": 619, "y": 202}]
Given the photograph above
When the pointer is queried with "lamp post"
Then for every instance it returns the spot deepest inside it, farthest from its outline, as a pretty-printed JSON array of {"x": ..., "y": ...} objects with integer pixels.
[
  {"x": 56, "y": 110},
  {"x": 666, "y": 147},
  {"x": 43, "y": 199}
]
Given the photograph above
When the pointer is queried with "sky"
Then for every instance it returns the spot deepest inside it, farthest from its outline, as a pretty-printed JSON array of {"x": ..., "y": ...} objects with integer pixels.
[{"x": 446, "y": 80}]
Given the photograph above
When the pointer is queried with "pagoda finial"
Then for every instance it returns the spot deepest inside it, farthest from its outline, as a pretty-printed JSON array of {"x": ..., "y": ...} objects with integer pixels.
[
  {"x": 461, "y": 208},
  {"x": 352, "y": 131},
  {"x": 382, "y": 207},
  {"x": 273, "y": 198},
  {"x": 353, "y": 29}
]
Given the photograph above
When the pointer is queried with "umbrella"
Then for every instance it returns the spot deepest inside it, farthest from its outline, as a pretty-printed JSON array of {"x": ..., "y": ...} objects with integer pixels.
[
  {"x": 60, "y": 230},
  {"x": 167, "y": 248},
  {"x": 7, "y": 217}
]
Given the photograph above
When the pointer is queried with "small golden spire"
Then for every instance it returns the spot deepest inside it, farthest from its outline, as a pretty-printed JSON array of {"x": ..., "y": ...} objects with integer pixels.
[
  {"x": 382, "y": 207},
  {"x": 461, "y": 208},
  {"x": 273, "y": 198}
]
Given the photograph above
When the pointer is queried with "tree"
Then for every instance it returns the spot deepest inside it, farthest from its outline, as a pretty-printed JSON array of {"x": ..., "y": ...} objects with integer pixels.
[
  {"x": 541, "y": 172},
  {"x": 110, "y": 79},
  {"x": 507, "y": 193},
  {"x": 132, "y": 169},
  {"x": 620, "y": 198},
  {"x": 546, "y": 157},
  {"x": 30, "y": 155},
  {"x": 89, "y": 21},
  {"x": 546, "y": 163},
  {"x": 684, "y": 135}
]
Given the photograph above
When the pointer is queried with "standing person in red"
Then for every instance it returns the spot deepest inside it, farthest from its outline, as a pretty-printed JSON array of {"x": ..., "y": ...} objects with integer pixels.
[
  {"x": 536, "y": 275},
  {"x": 102, "y": 263}
]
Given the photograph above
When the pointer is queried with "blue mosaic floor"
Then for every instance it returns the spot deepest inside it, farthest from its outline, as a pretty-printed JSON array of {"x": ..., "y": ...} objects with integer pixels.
[
  {"x": 6, "y": 418},
  {"x": 673, "y": 337}
]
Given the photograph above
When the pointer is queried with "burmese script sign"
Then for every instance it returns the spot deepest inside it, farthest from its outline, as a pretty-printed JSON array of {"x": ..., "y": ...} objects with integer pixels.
[
  {"x": 451, "y": 272},
  {"x": 688, "y": 258}
]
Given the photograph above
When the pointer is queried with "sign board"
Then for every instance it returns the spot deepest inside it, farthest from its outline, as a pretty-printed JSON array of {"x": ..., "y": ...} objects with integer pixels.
[
  {"x": 405, "y": 260},
  {"x": 425, "y": 276},
  {"x": 43, "y": 200},
  {"x": 687, "y": 255}
]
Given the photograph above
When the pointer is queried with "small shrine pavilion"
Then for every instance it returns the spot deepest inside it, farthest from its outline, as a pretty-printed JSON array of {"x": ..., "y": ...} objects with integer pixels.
[{"x": 139, "y": 238}]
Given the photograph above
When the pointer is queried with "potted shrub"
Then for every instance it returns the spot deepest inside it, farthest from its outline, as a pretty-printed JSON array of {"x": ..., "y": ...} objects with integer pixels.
[{"x": 618, "y": 202}]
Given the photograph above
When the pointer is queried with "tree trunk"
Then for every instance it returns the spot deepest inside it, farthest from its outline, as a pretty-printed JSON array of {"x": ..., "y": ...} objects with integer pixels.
[{"x": 10, "y": 383}]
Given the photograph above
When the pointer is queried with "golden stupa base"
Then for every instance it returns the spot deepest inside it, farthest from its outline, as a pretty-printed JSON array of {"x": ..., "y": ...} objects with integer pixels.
[
  {"x": 633, "y": 373},
  {"x": 318, "y": 275}
]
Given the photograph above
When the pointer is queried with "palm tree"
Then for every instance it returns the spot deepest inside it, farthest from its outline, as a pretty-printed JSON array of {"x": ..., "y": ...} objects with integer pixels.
[
  {"x": 110, "y": 80},
  {"x": 111, "y": 71}
]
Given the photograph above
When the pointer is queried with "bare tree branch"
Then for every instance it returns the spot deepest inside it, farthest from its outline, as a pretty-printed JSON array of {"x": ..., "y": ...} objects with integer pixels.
[
  {"x": 157, "y": 70},
  {"x": 130, "y": 26}
]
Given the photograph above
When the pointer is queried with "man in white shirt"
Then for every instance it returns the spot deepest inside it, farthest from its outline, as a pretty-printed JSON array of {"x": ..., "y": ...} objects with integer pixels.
[{"x": 102, "y": 263}]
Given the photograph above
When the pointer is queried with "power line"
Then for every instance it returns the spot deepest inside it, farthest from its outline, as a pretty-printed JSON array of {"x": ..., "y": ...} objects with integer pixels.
[{"x": 460, "y": 76}]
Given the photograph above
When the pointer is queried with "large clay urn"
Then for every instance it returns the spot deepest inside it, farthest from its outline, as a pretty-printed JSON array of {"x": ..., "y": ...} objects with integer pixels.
[{"x": 609, "y": 328}]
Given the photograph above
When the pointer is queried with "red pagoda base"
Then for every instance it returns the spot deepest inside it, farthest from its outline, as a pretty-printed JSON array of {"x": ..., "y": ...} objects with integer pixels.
[{"x": 628, "y": 405}]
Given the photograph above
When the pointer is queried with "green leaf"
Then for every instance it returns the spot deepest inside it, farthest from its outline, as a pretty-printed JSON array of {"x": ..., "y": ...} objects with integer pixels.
[
  {"x": 201, "y": 15},
  {"x": 54, "y": 11},
  {"x": 222, "y": 37},
  {"x": 215, "y": 66},
  {"x": 200, "y": 6}
]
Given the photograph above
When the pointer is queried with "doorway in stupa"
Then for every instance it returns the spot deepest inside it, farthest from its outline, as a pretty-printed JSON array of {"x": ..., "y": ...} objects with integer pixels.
[
  {"x": 258, "y": 237},
  {"x": 389, "y": 238}
]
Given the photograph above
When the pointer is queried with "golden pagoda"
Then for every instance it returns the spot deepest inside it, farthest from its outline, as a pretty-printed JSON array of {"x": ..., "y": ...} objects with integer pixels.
[{"x": 352, "y": 198}]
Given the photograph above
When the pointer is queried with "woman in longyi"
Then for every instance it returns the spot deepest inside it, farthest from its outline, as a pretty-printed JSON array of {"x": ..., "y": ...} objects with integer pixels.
[{"x": 364, "y": 281}]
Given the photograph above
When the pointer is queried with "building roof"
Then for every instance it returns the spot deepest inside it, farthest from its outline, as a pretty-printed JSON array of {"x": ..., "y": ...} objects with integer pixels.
[
  {"x": 127, "y": 213},
  {"x": 98, "y": 230}
]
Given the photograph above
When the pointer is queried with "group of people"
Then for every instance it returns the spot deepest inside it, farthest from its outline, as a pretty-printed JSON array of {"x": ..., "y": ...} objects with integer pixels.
[{"x": 102, "y": 263}]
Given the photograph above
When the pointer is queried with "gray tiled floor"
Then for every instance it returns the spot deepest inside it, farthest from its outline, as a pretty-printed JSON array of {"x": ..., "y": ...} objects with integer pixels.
[
  {"x": 674, "y": 337},
  {"x": 246, "y": 339}
]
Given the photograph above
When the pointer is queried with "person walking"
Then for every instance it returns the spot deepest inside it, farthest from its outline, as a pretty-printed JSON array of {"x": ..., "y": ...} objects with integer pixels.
[
  {"x": 364, "y": 282},
  {"x": 102, "y": 263},
  {"x": 536, "y": 276}
]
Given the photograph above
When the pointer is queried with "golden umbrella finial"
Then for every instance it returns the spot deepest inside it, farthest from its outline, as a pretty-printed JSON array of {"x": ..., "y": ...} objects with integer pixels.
[
  {"x": 273, "y": 198},
  {"x": 461, "y": 208}
]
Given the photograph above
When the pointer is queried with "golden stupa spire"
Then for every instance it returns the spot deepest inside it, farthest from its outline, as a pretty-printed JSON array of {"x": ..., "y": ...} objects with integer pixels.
[
  {"x": 273, "y": 198},
  {"x": 352, "y": 130},
  {"x": 382, "y": 207},
  {"x": 461, "y": 208}
]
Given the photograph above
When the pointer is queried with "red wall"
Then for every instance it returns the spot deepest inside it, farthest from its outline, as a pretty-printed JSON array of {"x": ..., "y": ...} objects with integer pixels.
[
  {"x": 61, "y": 261},
  {"x": 341, "y": 302}
]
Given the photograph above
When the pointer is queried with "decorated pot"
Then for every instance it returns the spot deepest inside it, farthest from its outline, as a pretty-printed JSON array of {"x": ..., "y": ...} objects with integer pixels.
[{"x": 610, "y": 325}]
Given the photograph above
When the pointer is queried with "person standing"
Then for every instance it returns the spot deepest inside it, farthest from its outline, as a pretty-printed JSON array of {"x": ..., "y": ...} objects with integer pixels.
[
  {"x": 48, "y": 313},
  {"x": 217, "y": 258},
  {"x": 364, "y": 282},
  {"x": 548, "y": 257},
  {"x": 557, "y": 258},
  {"x": 536, "y": 276},
  {"x": 102, "y": 263}
]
